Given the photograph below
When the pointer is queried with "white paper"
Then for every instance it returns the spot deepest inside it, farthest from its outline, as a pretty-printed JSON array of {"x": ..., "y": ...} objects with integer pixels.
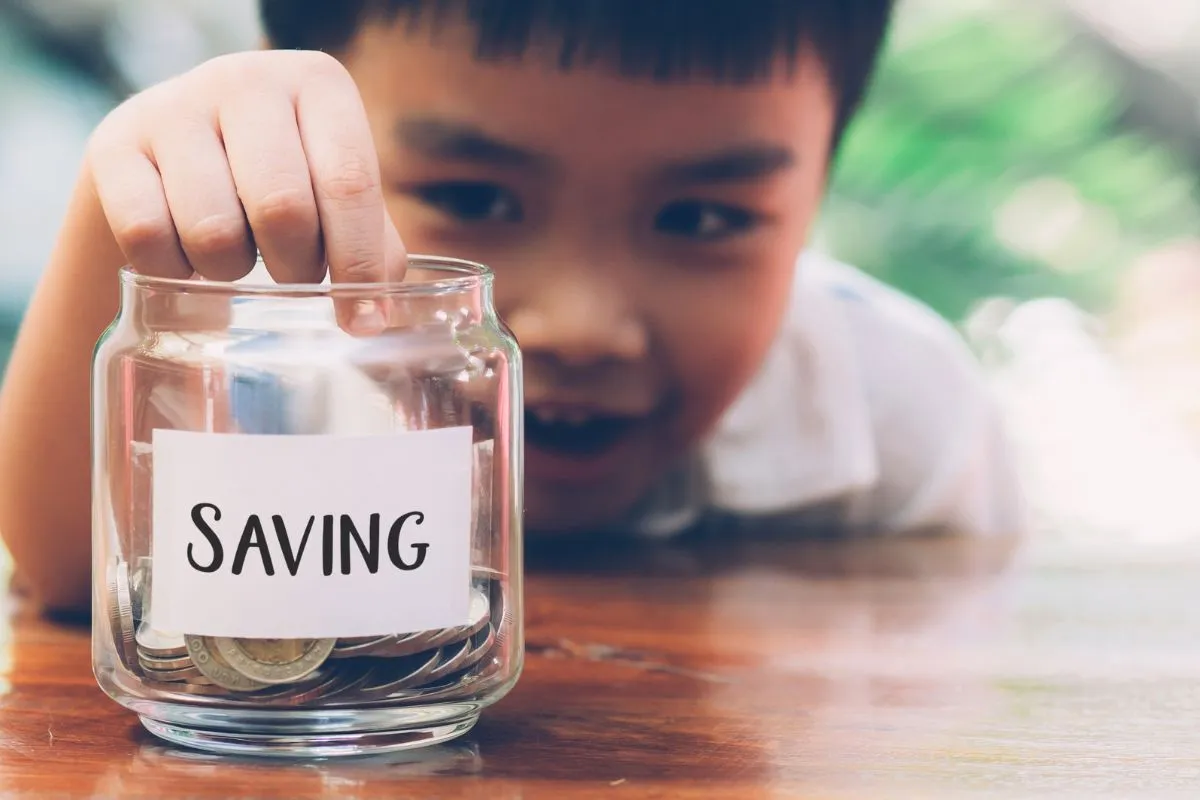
[{"x": 417, "y": 482}]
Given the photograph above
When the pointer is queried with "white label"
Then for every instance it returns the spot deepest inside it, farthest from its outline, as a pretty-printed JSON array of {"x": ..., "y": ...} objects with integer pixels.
[{"x": 281, "y": 537}]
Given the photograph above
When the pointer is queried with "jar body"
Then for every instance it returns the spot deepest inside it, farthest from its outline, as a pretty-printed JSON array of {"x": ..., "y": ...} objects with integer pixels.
[{"x": 307, "y": 542}]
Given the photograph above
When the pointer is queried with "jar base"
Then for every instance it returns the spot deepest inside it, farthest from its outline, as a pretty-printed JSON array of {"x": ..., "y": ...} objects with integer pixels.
[{"x": 313, "y": 745}]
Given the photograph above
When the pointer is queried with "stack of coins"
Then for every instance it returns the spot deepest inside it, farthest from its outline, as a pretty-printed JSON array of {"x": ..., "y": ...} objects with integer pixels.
[{"x": 419, "y": 667}]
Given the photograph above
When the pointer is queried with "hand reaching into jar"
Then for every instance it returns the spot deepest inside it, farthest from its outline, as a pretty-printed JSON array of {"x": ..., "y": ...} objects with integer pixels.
[{"x": 265, "y": 151}]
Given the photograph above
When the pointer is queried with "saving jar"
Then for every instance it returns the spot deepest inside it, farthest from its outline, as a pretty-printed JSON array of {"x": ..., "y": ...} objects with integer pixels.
[{"x": 307, "y": 542}]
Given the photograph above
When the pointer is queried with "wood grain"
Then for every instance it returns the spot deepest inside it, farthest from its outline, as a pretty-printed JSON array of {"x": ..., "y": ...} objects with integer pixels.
[{"x": 718, "y": 667}]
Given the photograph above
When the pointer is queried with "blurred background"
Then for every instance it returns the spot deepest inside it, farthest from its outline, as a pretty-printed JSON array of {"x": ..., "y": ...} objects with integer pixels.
[{"x": 1027, "y": 167}]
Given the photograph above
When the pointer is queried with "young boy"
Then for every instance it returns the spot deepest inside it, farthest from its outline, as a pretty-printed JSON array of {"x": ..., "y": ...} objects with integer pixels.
[{"x": 640, "y": 174}]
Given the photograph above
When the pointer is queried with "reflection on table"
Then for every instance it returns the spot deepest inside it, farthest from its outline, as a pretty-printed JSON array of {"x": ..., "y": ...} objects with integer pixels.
[{"x": 723, "y": 666}]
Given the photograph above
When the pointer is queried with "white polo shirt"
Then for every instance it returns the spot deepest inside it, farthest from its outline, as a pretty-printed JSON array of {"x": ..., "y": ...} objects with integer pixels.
[{"x": 869, "y": 412}]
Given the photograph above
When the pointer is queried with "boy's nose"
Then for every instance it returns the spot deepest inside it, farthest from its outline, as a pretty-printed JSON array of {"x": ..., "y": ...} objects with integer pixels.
[{"x": 579, "y": 323}]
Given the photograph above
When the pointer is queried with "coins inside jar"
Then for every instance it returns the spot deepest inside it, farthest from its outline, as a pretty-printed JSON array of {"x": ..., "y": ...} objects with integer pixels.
[{"x": 342, "y": 672}]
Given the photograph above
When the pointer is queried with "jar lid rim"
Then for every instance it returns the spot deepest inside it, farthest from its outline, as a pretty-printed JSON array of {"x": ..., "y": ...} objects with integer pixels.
[{"x": 459, "y": 275}]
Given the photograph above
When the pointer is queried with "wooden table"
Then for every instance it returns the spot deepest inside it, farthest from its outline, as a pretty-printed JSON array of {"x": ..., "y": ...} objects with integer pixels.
[{"x": 768, "y": 668}]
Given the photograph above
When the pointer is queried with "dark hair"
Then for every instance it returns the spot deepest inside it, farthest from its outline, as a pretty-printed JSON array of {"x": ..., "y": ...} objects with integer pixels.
[{"x": 722, "y": 40}]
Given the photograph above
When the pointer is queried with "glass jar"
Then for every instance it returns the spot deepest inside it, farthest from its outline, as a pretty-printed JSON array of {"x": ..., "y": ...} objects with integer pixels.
[{"x": 307, "y": 542}]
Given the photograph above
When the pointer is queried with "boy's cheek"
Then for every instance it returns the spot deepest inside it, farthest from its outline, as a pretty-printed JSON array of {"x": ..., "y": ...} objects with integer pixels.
[{"x": 722, "y": 342}]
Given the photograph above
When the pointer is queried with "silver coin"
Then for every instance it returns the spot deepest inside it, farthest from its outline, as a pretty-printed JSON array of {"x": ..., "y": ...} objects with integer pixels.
[
  {"x": 500, "y": 621},
  {"x": 389, "y": 677},
  {"x": 363, "y": 646},
  {"x": 332, "y": 683},
  {"x": 481, "y": 646},
  {"x": 428, "y": 640},
  {"x": 210, "y": 663},
  {"x": 487, "y": 573},
  {"x": 139, "y": 588},
  {"x": 452, "y": 687},
  {"x": 451, "y": 657},
  {"x": 157, "y": 644},
  {"x": 403, "y": 644},
  {"x": 359, "y": 641},
  {"x": 414, "y": 643},
  {"x": 320, "y": 679},
  {"x": 477, "y": 617},
  {"x": 150, "y": 662},
  {"x": 351, "y": 680},
  {"x": 172, "y": 675},
  {"x": 121, "y": 613},
  {"x": 348, "y": 681},
  {"x": 275, "y": 661},
  {"x": 457, "y": 660}
]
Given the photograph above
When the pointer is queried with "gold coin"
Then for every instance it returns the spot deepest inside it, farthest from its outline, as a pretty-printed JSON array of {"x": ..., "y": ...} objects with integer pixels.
[
  {"x": 275, "y": 661},
  {"x": 209, "y": 662}
]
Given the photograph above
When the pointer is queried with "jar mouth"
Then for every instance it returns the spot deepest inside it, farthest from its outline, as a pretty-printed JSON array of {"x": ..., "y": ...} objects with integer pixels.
[{"x": 426, "y": 275}]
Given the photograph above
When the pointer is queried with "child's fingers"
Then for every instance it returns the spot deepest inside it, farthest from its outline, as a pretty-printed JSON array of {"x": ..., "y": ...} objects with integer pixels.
[
  {"x": 373, "y": 312},
  {"x": 203, "y": 201},
  {"x": 361, "y": 244},
  {"x": 397, "y": 261},
  {"x": 274, "y": 185},
  {"x": 395, "y": 255},
  {"x": 131, "y": 193},
  {"x": 345, "y": 178}
]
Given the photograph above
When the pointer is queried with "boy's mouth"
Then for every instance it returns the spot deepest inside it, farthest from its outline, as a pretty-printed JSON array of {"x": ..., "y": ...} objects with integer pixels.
[
  {"x": 571, "y": 445},
  {"x": 579, "y": 434}
]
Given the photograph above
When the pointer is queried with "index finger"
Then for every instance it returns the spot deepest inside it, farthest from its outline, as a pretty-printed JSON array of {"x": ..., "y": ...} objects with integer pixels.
[{"x": 344, "y": 167}]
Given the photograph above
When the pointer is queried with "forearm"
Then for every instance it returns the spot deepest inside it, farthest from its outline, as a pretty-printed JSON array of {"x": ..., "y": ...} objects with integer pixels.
[{"x": 45, "y": 409}]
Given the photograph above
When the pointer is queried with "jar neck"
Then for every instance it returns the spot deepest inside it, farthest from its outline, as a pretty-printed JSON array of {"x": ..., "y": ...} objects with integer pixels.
[{"x": 182, "y": 306}]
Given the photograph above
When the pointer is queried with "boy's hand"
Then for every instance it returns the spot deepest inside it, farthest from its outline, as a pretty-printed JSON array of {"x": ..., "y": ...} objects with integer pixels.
[{"x": 266, "y": 150}]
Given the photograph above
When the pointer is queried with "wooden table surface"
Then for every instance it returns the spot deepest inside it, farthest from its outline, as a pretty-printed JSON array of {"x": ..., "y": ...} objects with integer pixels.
[{"x": 924, "y": 668}]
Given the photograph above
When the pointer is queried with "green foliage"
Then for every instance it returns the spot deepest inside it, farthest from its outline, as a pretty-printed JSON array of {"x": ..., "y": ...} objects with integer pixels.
[{"x": 966, "y": 113}]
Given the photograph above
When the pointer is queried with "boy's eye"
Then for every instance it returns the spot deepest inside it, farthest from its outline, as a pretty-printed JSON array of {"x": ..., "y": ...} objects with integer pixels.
[
  {"x": 471, "y": 202},
  {"x": 696, "y": 219}
]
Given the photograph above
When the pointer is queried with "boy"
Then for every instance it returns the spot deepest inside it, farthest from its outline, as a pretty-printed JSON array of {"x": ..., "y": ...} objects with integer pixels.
[{"x": 641, "y": 175}]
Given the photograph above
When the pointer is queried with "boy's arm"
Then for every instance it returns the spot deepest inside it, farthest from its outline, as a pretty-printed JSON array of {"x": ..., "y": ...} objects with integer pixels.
[
  {"x": 45, "y": 408},
  {"x": 266, "y": 152}
]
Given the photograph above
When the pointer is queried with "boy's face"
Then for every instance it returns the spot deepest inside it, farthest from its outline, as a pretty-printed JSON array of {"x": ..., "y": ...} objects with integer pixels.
[{"x": 643, "y": 236}]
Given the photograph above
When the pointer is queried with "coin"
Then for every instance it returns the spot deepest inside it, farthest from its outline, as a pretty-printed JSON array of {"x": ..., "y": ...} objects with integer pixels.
[
  {"x": 487, "y": 573},
  {"x": 397, "y": 674},
  {"x": 419, "y": 667},
  {"x": 362, "y": 646},
  {"x": 392, "y": 646},
  {"x": 450, "y": 659},
  {"x": 120, "y": 611},
  {"x": 350, "y": 681},
  {"x": 411, "y": 643},
  {"x": 150, "y": 662},
  {"x": 208, "y": 660},
  {"x": 274, "y": 661},
  {"x": 188, "y": 673},
  {"x": 329, "y": 683},
  {"x": 477, "y": 616},
  {"x": 481, "y": 644},
  {"x": 318, "y": 679},
  {"x": 416, "y": 643},
  {"x": 158, "y": 644},
  {"x": 499, "y": 620},
  {"x": 139, "y": 588}
]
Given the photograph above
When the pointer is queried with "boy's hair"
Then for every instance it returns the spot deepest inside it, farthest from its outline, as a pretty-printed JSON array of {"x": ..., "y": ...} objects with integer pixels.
[{"x": 722, "y": 40}]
